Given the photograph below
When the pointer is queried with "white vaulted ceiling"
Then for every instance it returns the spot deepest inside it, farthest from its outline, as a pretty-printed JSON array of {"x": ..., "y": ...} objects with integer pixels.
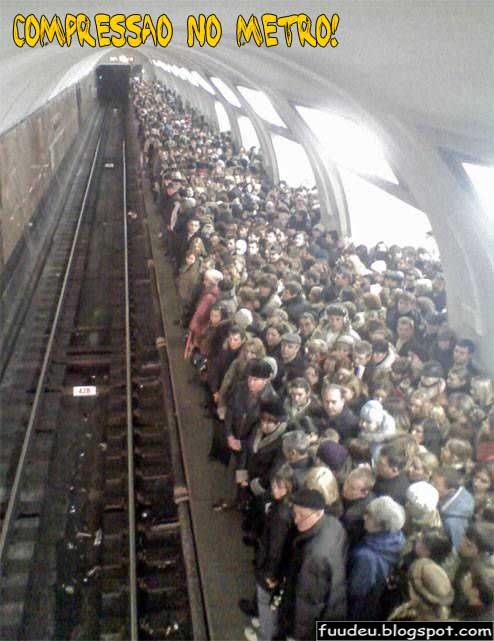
[{"x": 429, "y": 63}]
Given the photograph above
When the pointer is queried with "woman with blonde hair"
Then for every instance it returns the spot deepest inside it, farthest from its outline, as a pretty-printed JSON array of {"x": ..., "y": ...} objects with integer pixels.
[
  {"x": 422, "y": 467},
  {"x": 459, "y": 454},
  {"x": 321, "y": 478}
]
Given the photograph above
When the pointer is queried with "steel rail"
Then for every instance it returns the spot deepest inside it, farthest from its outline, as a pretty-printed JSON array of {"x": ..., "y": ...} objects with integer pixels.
[
  {"x": 134, "y": 630},
  {"x": 14, "y": 494}
]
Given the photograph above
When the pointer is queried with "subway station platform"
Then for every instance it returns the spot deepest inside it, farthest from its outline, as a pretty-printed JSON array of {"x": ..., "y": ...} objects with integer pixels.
[{"x": 225, "y": 563}]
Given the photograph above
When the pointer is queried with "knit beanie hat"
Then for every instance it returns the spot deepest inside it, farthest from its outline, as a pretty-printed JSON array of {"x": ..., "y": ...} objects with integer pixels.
[
  {"x": 372, "y": 411},
  {"x": 423, "y": 495},
  {"x": 332, "y": 454},
  {"x": 312, "y": 499},
  {"x": 431, "y": 582}
]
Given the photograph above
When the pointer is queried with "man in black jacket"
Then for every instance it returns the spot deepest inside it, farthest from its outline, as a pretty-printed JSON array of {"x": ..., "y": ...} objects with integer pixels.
[
  {"x": 390, "y": 472},
  {"x": 264, "y": 448},
  {"x": 315, "y": 578},
  {"x": 340, "y": 417}
]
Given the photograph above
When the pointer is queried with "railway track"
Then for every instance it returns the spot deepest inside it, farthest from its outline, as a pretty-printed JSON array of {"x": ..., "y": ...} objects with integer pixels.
[{"x": 94, "y": 543}]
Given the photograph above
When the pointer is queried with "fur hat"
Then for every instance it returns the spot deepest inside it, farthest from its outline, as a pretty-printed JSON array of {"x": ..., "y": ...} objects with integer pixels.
[
  {"x": 423, "y": 495},
  {"x": 431, "y": 582},
  {"x": 312, "y": 499},
  {"x": 332, "y": 454}
]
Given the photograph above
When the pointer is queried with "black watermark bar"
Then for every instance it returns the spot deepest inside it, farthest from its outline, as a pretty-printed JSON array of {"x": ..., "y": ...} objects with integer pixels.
[{"x": 410, "y": 630}]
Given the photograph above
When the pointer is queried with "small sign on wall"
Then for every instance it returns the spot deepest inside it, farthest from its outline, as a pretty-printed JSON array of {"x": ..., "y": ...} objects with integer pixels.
[{"x": 87, "y": 390}]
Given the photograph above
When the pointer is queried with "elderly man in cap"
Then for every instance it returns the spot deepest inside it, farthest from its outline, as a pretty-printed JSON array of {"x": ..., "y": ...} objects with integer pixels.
[
  {"x": 241, "y": 417},
  {"x": 293, "y": 360},
  {"x": 315, "y": 586}
]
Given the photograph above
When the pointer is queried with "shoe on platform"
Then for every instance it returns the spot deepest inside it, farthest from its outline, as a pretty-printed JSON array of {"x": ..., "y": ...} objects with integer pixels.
[
  {"x": 250, "y": 634},
  {"x": 255, "y": 623},
  {"x": 223, "y": 506}
]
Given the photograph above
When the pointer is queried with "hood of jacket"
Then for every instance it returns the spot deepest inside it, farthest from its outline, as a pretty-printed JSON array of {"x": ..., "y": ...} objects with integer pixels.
[
  {"x": 386, "y": 545},
  {"x": 460, "y": 504},
  {"x": 386, "y": 430}
]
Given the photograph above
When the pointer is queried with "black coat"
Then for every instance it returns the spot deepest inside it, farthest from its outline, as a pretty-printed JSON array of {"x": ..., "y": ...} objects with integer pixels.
[
  {"x": 242, "y": 412},
  {"x": 294, "y": 369},
  {"x": 263, "y": 454},
  {"x": 352, "y": 518},
  {"x": 274, "y": 543},
  {"x": 396, "y": 488},
  {"x": 346, "y": 424},
  {"x": 315, "y": 579},
  {"x": 218, "y": 364}
]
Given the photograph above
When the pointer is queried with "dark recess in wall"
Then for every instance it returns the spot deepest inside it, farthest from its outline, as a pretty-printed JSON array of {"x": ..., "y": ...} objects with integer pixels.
[{"x": 112, "y": 82}]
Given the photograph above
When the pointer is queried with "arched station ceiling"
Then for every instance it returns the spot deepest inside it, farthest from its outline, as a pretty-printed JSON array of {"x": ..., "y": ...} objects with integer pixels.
[{"x": 429, "y": 63}]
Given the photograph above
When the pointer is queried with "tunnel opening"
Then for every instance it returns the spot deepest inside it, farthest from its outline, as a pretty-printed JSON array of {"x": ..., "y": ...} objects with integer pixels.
[{"x": 112, "y": 82}]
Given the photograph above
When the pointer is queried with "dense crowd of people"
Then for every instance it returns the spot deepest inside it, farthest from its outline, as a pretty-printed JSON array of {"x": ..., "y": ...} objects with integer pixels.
[{"x": 357, "y": 427}]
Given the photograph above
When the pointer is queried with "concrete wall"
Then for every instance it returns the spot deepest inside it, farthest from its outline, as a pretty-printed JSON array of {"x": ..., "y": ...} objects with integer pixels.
[{"x": 30, "y": 154}]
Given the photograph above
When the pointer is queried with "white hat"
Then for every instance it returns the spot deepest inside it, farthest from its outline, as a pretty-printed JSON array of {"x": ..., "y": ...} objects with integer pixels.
[
  {"x": 214, "y": 275},
  {"x": 243, "y": 317},
  {"x": 423, "y": 495},
  {"x": 379, "y": 266}
]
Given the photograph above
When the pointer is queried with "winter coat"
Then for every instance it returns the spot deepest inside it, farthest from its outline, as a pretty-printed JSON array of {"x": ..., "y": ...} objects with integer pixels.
[
  {"x": 242, "y": 412},
  {"x": 346, "y": 424},
  {"x": 372, "y": 562},
  {"x": 456, "y": 512},
  {"x": 200, "y": 319},
  {"x": 275, "y": 541},
  {"x": 315, "y": 580},
  {"x": 263, "y": 453},
  {"x": 219, "y": 364},
  {"x": 396, "y": 488},
  {"x": 188, "y": 279},
  {"x": 293, "y": 369},
  {"x": 352, "y": 518}
]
